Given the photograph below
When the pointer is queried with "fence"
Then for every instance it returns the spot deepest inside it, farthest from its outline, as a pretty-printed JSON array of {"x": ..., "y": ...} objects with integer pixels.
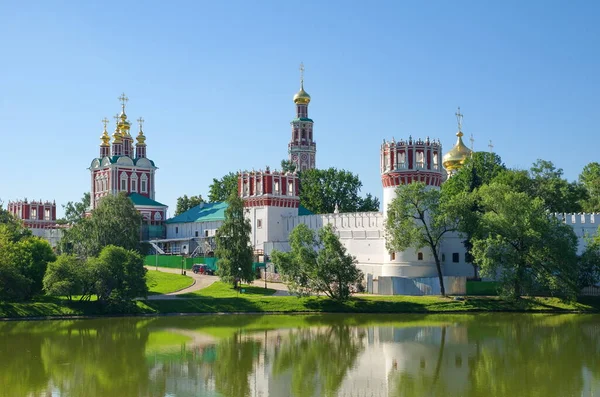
[{"x": 175, "y": 262}]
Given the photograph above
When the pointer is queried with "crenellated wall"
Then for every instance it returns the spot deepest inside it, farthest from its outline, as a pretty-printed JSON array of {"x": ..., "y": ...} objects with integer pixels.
[{"x": 584, "y": 225}]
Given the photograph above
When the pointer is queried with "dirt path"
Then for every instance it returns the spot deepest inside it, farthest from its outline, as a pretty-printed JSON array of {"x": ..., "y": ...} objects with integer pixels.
[{"x": 200, "y": 281}]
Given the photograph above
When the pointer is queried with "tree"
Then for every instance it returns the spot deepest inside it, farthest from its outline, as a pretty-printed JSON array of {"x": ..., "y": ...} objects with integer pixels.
[
  {"x": 185, "y": 203},
  {"x": 23, "y": 263},
  {"x": 417, "y": 218},
  {"x": 318, "y": 264},
  {"x": 233, "y": 244},
  {"x": 590, "y": 180},
  {"x": 479, "y": 169},
  {"x": 522, "y": 245},
  {"x": 322, "y": 190},
  {"x": 75, "y": 211},
  {"x": 558, "y": 194},
  {"x": 119, "y": 276},
  {"x": 288, "y": 166},
  {"x": 65, "y": 276},
  {"x": 221, "y": 189},
  {"x": 13, "y": 226},
  {"x": 114, "y": 222}
]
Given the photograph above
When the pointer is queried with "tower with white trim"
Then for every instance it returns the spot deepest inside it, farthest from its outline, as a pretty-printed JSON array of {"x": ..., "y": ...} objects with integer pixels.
[{"x": 302, "y": 148}]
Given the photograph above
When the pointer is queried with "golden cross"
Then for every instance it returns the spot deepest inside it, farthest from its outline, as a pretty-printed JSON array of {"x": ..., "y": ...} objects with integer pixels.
[
  {"x": 459, "y": 118},
  {"x": 117, "y": 118},
  {"x": 491, "y": 146},
  {"x": 301, "y": 73},
  {"x": 140, "y": 122},
  {"x": 104, "y": 121},
  {"x": 123, "y": 100}
]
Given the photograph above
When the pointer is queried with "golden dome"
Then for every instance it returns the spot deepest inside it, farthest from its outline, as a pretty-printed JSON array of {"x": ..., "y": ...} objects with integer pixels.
[
  {"x": 141, "y": 139},
  {"x": 302, "y": 96},
  {"x": 105, "y": 139},
  {"x": 455, "y": 158}
]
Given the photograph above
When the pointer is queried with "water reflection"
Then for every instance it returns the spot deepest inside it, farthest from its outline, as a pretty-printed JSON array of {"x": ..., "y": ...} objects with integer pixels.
[{"x": 474, "y": 355}]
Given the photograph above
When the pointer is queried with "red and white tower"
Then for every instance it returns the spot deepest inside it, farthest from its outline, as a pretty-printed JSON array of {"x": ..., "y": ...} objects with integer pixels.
[
  {"x": 402, "y": 163},
  {"x": 302, "y": 148},
  {"x": 269, "y": 198},
  {"x": 122, "y": 170}
]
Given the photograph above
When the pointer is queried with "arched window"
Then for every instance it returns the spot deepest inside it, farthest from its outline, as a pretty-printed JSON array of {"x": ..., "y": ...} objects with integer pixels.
[
  {"x": 144, "y": 184},
  {"x": 124, "y": 181},
  {"x": 134, "y": 183}
]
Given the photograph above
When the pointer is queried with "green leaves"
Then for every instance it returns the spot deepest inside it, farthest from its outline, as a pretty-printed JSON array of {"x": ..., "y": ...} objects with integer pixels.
[
  {"x": 321, "y": 190},
  {"x": 114, "y": 222},
  {"x": 317, "y": 264},
  {"x": 233, "y": 244},
  {"x": 184, "y": 203},
  {"x": 221, "y": 189},
  {"x": 75, "y": 210}
]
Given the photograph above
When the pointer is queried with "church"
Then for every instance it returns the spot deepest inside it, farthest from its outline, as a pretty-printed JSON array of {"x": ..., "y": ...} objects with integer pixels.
[{"x": 273, "y": 207}]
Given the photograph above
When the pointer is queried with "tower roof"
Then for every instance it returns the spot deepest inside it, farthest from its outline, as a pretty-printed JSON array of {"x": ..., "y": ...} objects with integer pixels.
[
  {"x": 302, "y": 96},
  {"x": 456, "y": 157}
]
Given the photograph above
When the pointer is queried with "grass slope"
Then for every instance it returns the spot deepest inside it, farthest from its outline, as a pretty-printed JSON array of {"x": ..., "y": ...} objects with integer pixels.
[
  {"x": 221, "y": 298},
  {"x": 164, "y": 283}
]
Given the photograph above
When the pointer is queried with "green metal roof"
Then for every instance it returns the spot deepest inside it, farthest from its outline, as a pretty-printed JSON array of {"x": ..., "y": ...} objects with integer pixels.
[
  {"x": 304, "y": 211},
  {"x": 204, "y": 212},
  {"x": 301, "y": 119},
  {"x": 207, "y": 212},
  {"x": 138, "y": 199}
]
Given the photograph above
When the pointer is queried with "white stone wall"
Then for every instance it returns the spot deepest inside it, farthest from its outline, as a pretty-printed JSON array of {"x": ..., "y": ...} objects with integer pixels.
[{"x": 189, "y": 229}]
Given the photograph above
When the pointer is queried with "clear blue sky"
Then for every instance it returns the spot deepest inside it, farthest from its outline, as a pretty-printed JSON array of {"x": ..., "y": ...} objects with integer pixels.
[{"x": 214, "y": 82}]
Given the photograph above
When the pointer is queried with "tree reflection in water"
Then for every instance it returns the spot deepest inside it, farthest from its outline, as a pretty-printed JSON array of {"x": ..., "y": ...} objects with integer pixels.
[{"x": 318, "y": 358}]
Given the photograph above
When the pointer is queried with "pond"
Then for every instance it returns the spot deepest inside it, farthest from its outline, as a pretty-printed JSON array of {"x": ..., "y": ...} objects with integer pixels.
[{"x": 324, "y": 355}]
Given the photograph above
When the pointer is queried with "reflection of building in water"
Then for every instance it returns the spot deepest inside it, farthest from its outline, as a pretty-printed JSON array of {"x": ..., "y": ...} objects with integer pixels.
[{"x": 386, "y": 356}]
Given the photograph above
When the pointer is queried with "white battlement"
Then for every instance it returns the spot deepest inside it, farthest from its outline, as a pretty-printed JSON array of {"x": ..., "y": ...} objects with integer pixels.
[
  {"x": 581, "y": 218},
  {"x": 368, "y": 224}
]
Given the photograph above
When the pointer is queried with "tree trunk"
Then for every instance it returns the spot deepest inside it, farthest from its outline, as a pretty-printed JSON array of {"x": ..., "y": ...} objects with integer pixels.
[
  {"x": 517, "y": 283},
  {"x": 438, "y": 265}
]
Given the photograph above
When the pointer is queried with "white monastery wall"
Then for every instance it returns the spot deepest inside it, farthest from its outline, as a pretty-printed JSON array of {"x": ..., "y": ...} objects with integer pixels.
[
  {"x": 584, "y": 226},
  {"x": 192, "y": 229}
]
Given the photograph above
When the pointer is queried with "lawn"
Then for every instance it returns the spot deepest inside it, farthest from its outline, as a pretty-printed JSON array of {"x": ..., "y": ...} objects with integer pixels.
[
  {"x": 222, "y": 298},
  {"x": 164, "y": 283}
]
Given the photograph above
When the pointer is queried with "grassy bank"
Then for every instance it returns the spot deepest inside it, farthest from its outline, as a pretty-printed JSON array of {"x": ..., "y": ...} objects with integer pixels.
[
  {"x": 164, "y": 283},
  {"x": 220, "y": 298}
]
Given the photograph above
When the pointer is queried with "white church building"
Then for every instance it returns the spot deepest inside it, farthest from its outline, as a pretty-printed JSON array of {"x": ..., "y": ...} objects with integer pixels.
[{"x": 273, "y": 208}]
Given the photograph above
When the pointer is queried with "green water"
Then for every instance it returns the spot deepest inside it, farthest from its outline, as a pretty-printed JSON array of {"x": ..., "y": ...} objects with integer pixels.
[{"x": 329, "y": 355}]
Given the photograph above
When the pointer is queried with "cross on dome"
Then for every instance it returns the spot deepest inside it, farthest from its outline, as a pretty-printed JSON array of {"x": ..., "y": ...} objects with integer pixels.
[
  {"x": 459, "y": 118},
  {"x": 140, "y": 122},
  {"x": 123, "y": 98}
]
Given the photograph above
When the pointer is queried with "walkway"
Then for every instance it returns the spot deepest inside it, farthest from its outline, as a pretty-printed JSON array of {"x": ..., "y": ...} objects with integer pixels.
[{"x": 200, "y": 281}]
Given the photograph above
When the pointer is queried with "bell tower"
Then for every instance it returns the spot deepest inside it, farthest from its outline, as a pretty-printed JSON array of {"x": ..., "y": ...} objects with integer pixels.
[{"x": 302, "y": 148}]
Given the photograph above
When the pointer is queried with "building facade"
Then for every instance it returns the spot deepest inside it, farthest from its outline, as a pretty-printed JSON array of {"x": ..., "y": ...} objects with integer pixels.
[{"x": 39, "y": 217}]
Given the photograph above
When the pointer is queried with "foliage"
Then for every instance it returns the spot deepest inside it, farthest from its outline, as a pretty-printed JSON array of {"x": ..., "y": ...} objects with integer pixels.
[
  {"x": 13, "y": 227},
  {"x": 75, "y": 210},
  {"x": 590, "y": 180},
  {"x": 66, "y": 277},
  {"x": 589, "y": 264},
  {"x": 288, "y": 166},
  {"x": 220, "y": 189},
  {"x": 185, "y": 203},
  {"x": 478, "y": 170},
  {"x": 114, "y": 222},
  {"x": 520, "y": 244},
  {"x": 317, "y": 264},
  {"x": 417, "y": 218},
  {"x": 321, "y": 190},
  {"x": 119, "y": 276},
  {"x": 558, "y": 194},
  {"x": 233, "y": 244},
  {"x": 23, "y": 262}
]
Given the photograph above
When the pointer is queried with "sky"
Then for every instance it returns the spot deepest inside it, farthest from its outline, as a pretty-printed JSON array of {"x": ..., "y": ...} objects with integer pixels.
[{"x": 214, "y": 82}]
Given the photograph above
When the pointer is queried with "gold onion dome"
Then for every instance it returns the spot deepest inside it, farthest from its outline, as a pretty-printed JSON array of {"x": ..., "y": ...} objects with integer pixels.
[
  {"x": 456, "y": 157},
  {"x": 105, "y": 138},
  {"x": 302, "y": 96},
  {"x": 141, "y": 138}
]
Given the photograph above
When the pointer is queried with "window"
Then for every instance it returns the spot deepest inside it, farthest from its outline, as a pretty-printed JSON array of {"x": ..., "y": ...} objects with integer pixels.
[
  {"x": 291, "y": 188},
  {"x": 196, "y": 233},
  {"x": 420, "y": 256},
  {"x": 259, "y": 223},
  {"x": 144, "y": 184},
  {"x": 176, "y": 229},
  {"x": 276, "y": 187},
  {"x": 47, "y": 214},
  {"x": 123, "y": 185},
  {"x": 206, "y": 233},
  {"x": 134, "y": 185},
  {"x": 455, "y": 257},
  {"x": 34, "y": 213},
  {"x": 392, "y": 256},
  {"x": 443, "y": 257}
]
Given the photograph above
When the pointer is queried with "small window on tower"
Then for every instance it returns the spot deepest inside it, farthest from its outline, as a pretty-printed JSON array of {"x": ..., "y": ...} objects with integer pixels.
[
  {"x": 291, "y": 188},
  {"x": 392, "y": 256},
  {"x": 34, "y": 213},
  {"x": 259, "y": 223},
  {"x": 47, "y": 214},
  {"x": 276, "y": 187},
  {"x": 420, "y": 256},
  {"x": 176, "y": 229}
]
